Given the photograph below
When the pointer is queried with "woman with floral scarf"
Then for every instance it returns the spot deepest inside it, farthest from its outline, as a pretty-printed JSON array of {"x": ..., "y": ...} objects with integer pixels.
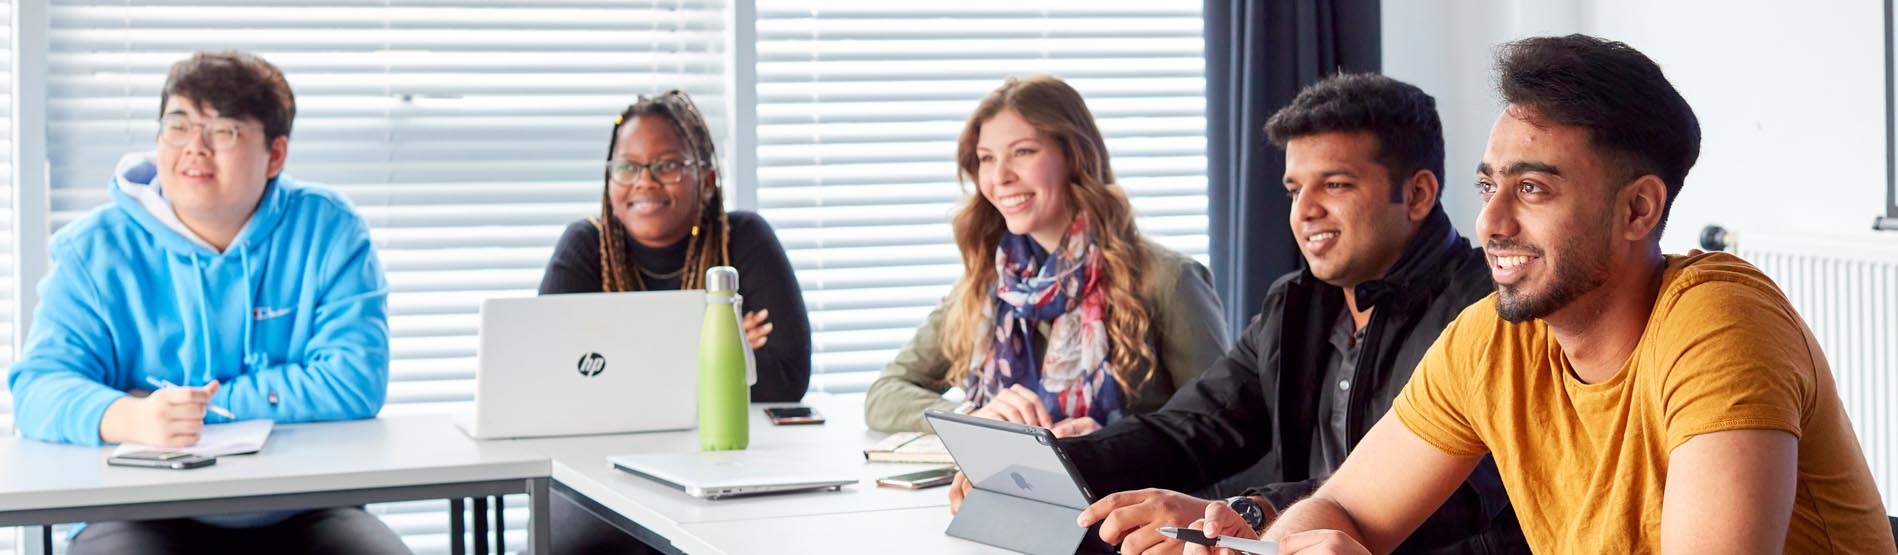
[{"x": 1065, "y": 316}]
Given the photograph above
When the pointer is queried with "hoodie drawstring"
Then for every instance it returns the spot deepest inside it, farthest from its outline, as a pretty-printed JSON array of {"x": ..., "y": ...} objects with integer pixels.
[
  {"x": 204, "y": 322},
  {"x": 252, "y": 360}
]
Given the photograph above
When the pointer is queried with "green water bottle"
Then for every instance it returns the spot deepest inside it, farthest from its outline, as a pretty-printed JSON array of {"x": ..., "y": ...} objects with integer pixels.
[{"x": 724, "y": 395}]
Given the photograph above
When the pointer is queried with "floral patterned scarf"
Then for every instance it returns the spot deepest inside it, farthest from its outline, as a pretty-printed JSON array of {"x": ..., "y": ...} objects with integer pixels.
[{"x": 1074, "y": 377}]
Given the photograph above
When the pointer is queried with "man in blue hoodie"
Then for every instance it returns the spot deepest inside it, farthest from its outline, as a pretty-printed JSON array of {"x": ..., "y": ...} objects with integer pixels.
[{"x": 230, "y": 283}]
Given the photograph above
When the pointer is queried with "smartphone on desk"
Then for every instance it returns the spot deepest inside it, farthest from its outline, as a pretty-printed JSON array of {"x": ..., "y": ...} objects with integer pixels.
[
  {"x": 175, "y": 460},
  {"x": 922, "y": 479},
  {"x": 786, "y": 416}
]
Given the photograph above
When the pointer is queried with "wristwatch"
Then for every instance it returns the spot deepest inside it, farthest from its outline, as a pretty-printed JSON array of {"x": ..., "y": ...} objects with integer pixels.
[{"x": 1249, "y": 510}]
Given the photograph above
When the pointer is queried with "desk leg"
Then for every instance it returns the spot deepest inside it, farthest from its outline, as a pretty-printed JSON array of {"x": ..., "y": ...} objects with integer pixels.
[
  {"x": 455, "y": 540},
  {"x": 36, "y": 539},
  {"x": 480, "y": 516},
  {"x": 500, "y": 524},
  {"x": 540, "y": 539}
]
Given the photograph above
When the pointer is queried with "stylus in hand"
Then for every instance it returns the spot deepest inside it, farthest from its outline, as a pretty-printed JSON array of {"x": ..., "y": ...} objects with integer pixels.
[
  {"x": 1242, "y": 545},
  {"x": 220, "y": 411}
]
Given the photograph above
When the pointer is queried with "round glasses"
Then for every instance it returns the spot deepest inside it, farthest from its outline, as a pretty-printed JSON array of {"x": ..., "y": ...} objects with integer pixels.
[
  {"x": 668, "y": 172},
  {"x": 219, "y": 133}
]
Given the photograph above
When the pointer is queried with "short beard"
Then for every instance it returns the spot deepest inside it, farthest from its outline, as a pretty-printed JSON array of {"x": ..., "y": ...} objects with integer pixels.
[{"x": 1582, "y": 268}]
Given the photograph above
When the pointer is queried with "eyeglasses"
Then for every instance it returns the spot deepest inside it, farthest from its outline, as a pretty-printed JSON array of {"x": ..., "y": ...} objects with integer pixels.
[
  {"x": 668, "y": 172},
  {"x": 219, "y": 133}
]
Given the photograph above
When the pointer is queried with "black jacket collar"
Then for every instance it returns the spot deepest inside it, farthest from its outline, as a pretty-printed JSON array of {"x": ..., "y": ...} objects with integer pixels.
[{"x": 1422, "y": 267}]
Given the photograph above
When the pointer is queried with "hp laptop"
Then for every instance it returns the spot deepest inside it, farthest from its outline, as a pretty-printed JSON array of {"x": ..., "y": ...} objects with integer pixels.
[
  {"x": 720, "y": 474},
  {"x": 589, "y": 363}
]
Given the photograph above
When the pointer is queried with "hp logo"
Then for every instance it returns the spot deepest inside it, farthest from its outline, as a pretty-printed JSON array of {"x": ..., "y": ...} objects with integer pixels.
[{"x": 592, "y": 364}]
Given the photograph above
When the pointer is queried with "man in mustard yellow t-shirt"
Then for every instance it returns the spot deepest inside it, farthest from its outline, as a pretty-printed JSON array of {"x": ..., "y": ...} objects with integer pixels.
[{"x": 1634, "y": 402}]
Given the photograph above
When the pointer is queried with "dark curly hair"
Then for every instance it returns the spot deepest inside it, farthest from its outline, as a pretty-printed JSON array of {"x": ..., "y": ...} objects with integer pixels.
[
  {"x": 1635, "y": 119},
  {"x": 238, "y": 84},
  {"x": 1401, "y": 116},
  {"x": 711, "y": 233}
]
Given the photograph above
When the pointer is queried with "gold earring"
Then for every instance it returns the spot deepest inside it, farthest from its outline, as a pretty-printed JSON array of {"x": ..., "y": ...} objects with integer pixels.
[{"x": 695, "y": 230}]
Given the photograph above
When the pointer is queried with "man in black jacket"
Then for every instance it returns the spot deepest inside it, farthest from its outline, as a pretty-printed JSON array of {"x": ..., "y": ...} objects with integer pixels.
[{"x": 1332, "y": 345}]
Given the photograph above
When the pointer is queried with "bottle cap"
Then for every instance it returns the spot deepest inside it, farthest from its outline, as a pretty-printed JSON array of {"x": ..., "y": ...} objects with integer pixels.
[{"x": 721, "y": 279}]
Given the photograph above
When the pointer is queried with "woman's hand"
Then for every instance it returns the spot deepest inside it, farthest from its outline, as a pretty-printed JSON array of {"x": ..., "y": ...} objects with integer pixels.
[
  {"x": 757, "y": 329},
  {"x": 1019, "y": 405}
]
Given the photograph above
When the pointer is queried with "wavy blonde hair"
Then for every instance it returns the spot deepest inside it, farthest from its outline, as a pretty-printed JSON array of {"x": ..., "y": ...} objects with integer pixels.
[{"x": 1058, "y": 112}]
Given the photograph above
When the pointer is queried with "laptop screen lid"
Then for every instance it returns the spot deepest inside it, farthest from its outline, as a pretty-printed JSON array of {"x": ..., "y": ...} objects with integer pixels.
[
  {"x": 718, "y": 474},
  {"x": 588, "y": 363}
]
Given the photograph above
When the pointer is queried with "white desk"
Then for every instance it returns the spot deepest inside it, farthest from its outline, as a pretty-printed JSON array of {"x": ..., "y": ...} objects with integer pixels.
[
  {"x": 898, "y": 531},
  {"x": 411, "y": 458},
  {"x": 302, "y": 466},
  {"x": 676, "y": 522}
]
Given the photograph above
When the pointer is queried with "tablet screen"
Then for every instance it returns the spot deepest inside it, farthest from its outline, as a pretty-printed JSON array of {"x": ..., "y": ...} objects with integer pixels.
[{"x": 1011, "y": 459}]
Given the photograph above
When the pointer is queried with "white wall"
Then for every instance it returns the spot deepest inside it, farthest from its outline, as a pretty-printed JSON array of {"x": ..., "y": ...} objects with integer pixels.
[
  {"x": 1791, "y": 100},
  {"x": 1790, "y": 97},
  {"x": 1446, "y": 48}
]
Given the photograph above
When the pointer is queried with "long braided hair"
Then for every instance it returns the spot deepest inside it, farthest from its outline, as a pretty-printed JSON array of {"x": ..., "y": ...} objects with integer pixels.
[{"x": 710, "y": 242}]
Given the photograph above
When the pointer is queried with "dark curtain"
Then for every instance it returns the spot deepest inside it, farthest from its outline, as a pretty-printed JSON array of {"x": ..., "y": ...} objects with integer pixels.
[
  {"x": 1890, "y": 221},
  {"x": 1258, "y": 55}
]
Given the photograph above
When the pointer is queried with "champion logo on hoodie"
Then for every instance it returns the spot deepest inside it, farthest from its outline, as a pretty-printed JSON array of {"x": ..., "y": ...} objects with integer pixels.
[{"x": 265, "y": 313}]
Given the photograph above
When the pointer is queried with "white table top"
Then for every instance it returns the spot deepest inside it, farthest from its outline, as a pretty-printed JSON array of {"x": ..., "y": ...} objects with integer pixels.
[
  {"x": 910, "y": 531},
  {"x": 298, "y": 458},
  {"x": 424, "y": 450},
  {"x": 580, "y": 463}
]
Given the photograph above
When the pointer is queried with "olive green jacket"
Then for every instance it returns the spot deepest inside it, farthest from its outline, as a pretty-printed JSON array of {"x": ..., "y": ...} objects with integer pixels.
[{"x": 1186, "y": 332}]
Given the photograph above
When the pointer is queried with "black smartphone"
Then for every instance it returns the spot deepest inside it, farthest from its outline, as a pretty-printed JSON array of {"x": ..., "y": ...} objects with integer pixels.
[
  {"x": 786, "y": 416},
  {"x": 921, "y": 479},
  {"x": 175, "y": 460}
]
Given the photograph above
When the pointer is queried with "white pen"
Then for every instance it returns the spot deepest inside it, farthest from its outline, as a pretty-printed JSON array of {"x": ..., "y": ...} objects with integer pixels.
[
  {"x": 220, "y": 411},
  {"x": 1242, "y": 545}
]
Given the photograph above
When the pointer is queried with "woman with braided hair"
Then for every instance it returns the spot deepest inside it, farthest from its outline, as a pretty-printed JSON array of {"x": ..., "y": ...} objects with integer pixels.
[{"x": 662, "y": 223}]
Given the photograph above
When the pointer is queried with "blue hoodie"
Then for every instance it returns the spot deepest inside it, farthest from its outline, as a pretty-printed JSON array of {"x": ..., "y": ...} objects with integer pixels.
[{"x": 292, "y": 317}]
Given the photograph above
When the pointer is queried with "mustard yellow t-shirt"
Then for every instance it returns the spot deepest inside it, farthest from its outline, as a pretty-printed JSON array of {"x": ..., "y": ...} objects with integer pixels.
[{"x": 1585, "y": 464}]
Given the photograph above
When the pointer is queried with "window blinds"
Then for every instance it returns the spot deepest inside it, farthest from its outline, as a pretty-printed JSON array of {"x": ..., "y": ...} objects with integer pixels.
[
  {"x": 7, "y": 258},
  {"x": 467, "y": 132},
  {"x": 859, "y": 107}
]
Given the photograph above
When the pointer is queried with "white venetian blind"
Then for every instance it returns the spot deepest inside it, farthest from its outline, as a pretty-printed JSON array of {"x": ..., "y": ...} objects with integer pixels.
[
  {"x": 859, "y": 106},
  {"x": 467, "y": 132},
  {"x": 7, "y": 298}
]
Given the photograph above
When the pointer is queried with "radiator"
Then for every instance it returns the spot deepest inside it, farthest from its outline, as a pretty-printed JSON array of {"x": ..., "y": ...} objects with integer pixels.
[{"x": 1847, "y": 291}]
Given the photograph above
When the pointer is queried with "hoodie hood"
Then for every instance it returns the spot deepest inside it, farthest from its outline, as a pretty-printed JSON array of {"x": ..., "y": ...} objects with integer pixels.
[{"x": 136, "y": 189}]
